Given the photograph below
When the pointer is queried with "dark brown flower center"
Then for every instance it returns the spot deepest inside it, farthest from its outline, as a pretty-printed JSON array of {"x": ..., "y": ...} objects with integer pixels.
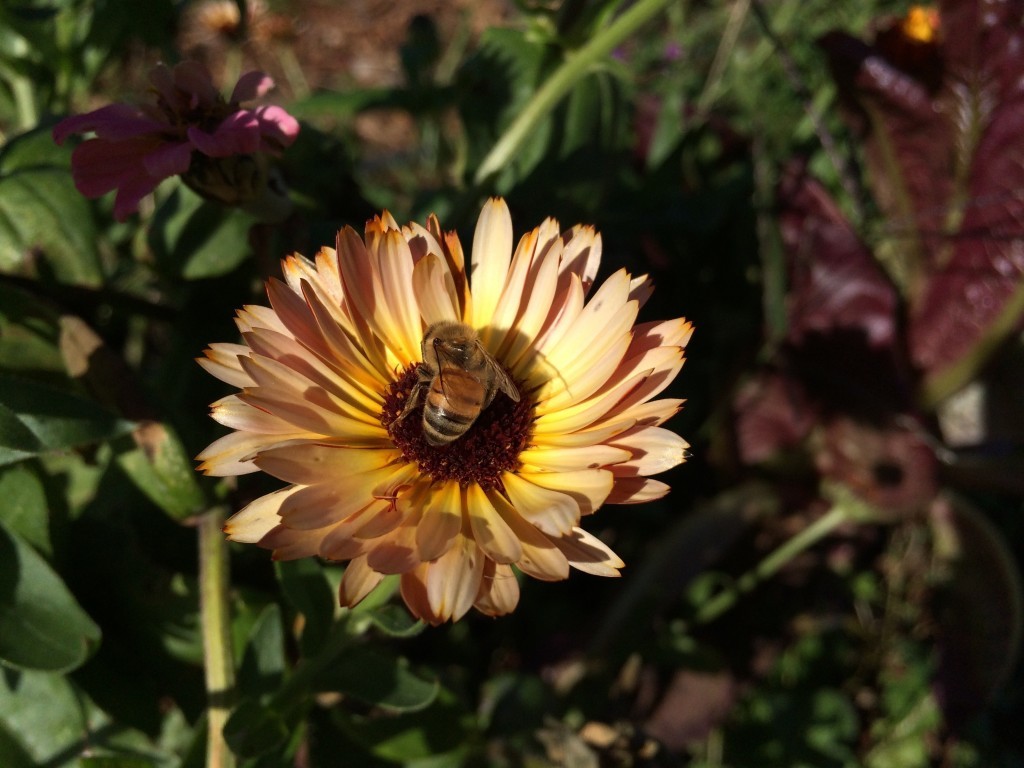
[{"x": 490, "y": 447}]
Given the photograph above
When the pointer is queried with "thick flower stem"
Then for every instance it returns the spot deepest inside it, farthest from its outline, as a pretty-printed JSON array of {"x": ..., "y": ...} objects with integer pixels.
[
  {"x": 561, "y": 82},
  {"x": 839, "y": 514},
  {"x": 216, "y": 626}
]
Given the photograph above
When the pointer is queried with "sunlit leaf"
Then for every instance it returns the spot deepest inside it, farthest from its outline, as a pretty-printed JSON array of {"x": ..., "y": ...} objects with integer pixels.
[
  {"x": 44, "y": 711},
  {"x": 42, "y": 215},
  {"x": 41, "y": 624},
  {"x": 161, "y": 469},
  {"x": 12, "y": 754},
  {"x": 196, "y": 239},
  {"x": 24, "y": 510}
]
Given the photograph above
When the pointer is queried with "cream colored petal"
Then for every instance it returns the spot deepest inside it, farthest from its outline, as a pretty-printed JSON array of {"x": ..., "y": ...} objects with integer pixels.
[
  {"x": 358, "y": 581},
  {"x": 275, "y": 380},
  {"x": 566, "y": 307},
  {"x": 491, "y": 532},
  {"x": 441, "y": 522},
  {"x": 492, "y": 252},
  {"x": 340, "y": 542},
  {"x": 384, "y": 520},
  {"x": 307, "y": 412},
  {"x": 413, "y": 589},
  {"x": 318, "y": 463},
  {"x": 291, "y": 545},
  {"x": 550, "y": 511},
  {"x": 395, "y": 552},
  {"x": 499, "y": 590},
  {"x": 329, "y": 273},
  {"x": 453, "y": 580},
  {"x": 653, "y": 450},
  {"x": 504, "y": 315},
  {"x": 321, "y": 506},
  {"x": 652, "y": 413},
  {"x": 581, "y": 415},
  {"x": 253, "y": 316},
  {"x": 397, "y": 300},
  {"x": 363, "y": 289},
  {"x": 435, "y": 290},
  {"x": 588, "y": 553},
  {"x": 582, "y": 254},
  {"x": 540, "y": 288},
  {"x": 562, "y": 459},
  {"x": 232, "y": 412},
  {"x": 297, "y": 363},
  {"x": 322, "y": 332},
  {"x": 604, "y": 321},
  {"x": 540, "y": 559},
  {"x": 588, "y": 487},
  {"x": 317, "y": 506},
  {"x": 221, "y": 360},
  {"x": 583, "y": 437},
  {"x": 233, "y": 454},
  {"x": 635, "y": 403},
  {"x": 357, "y": 352},
  {"x": 640, "y": 289},
  {"x": 637, "y": 490},
  {"x": 258, "y": 518},
  {"x": 580, "y": 384}
]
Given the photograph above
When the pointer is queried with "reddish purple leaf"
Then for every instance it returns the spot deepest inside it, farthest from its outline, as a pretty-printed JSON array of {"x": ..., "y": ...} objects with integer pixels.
[
  {"x": 772, "y": 414},
  {"x": 835, "y": 283},
  {"x": 944, "y": 137}
]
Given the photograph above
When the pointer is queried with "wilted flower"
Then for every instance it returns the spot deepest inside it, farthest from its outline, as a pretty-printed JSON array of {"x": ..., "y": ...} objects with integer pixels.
[
  {"x": 327, "y": 371},
  {"x": 191, "y": 131}
]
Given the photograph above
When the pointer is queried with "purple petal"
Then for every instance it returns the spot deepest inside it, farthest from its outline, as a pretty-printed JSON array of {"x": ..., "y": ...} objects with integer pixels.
[
  {"x": 126, "y": 202},
  {"x": 114, "y": 122},
  {"x": 239, "y": 134},
  {"x": 277, "y": 126},
  {"x": 252, "y": 85},
  {"x": 168, "y": 160},
  {"x": 195, "y": 79}
]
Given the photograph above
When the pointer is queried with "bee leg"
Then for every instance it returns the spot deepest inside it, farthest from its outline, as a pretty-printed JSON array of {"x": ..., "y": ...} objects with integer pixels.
[{"x": 410, "y": 403}]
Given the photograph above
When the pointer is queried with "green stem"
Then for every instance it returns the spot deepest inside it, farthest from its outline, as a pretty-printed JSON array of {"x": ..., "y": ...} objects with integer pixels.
[
  {"x": 561, "y": 82},
  {"x": 216, "y": 627},
  {"x": 839, "y": 514}
]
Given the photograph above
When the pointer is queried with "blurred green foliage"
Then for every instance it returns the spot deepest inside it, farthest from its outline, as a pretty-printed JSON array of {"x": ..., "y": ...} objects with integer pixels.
[{"x": 673, "y": 147}]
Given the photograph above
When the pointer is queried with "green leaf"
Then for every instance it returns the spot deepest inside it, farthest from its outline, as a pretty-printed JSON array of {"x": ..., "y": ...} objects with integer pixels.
[
  {"x": 42, "y": 213},
  {"x": 36, "y": 418},
  {"x": 378, "y": 679},
  {"x": 253, "y": 730},
  {"x": 158, "y": 464},
  {"x": 45, "y": 711},
  {"x": 432, "y": 733},
  {"x": 12, "y": 754},
  {"x": 196, "y": 239},
  {"x": 115, "y": 762},
  {"x": 24, "y": 509},
  {"x": 41, "y": 624},
  {"x": 396, "y": 621},
  {"x": 263, "y": 663},
  {"x": 305, "y": 586}
]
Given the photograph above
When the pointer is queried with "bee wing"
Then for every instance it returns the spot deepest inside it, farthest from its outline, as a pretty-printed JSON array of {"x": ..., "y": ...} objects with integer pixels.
[{"x": 502, "y": 379}]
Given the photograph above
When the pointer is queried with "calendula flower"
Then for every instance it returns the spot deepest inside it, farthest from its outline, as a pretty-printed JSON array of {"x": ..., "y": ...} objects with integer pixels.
[
  {"x": 326, "y": 374},
  {"x": 190, "y": 130}
]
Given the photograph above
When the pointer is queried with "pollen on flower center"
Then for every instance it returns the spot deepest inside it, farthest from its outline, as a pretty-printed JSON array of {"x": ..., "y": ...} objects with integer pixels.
[{"x": 489, "y": 448}]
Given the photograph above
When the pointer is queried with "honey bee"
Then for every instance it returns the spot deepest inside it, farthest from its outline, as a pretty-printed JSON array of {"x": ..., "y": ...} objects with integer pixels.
[{"x": 461, "y": 379}]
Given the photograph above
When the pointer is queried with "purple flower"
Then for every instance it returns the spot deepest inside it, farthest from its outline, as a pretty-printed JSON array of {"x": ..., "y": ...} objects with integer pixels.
[{"x": 135, "y": 148}]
